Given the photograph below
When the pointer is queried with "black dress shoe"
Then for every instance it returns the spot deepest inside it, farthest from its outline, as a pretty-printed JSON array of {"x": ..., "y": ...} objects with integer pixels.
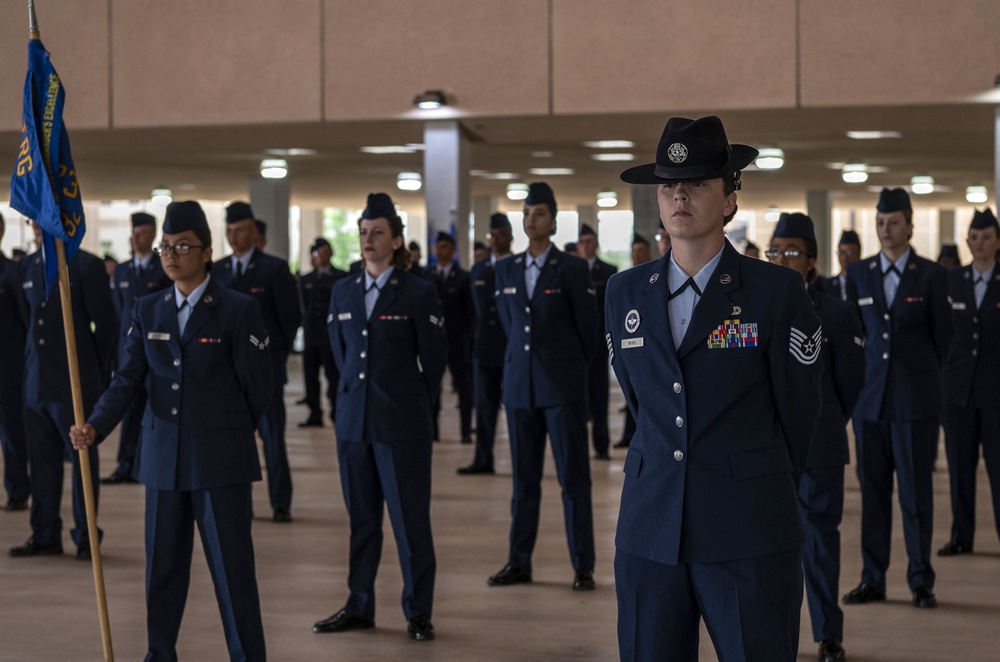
[
  {"x": 954, "y": 549},
  {"x": 474, "y": 469},
  {"x": 622, "y": 443},
  {"x": 420, "y": 629},
  {"x": 83, "y": 552},
  {"x": 509, "y": 575},
  {"x": 584, "y": 581},
  {"x": 282, "y": 515},
  {"x": 16, "y": 504},
  {"x": 602, "y": 455},
  {"x": 863, "y": 594},
  {"x": 118, "y": 479},
  {"x": 32, "y": 548},
  {"x": 831, "y": 651},
  {"x": 312, "y": 422},
  {"x": 342, "y": 622},
  {"x": 923, "y": 598}
]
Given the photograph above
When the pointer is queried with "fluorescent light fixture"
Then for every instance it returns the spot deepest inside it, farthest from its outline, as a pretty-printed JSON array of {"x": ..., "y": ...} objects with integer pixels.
[
  {"x": 486, "y": 174},
  {"x": 770, "y": 158},
  {"x": 873, "y": 135},
  {"x": 517, "y": 191},
  {"x": 430, "y": 100},
  {"x": 274, "y": 168},
  {"x": 389, "y": 149},
  {"x": 409, "y": 181},
  {"x": 551, "y": 172},
  {"x": 607, "y": 199},
  {"x": 609, "y": 144},
  {"x": 161, "y": 196},
  {"x": 542, "y": 154},
  {"x": 613, "y": 156},
  {"x": 772, "y": 215},
  {"x": 922, "y": 184},
  {"x": 854, "y": 173},
  {"x": 976, "y": 195},
  {"x": 291, "y": 151}
]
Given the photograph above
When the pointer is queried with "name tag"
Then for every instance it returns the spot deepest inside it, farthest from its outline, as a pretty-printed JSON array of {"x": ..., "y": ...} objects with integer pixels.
[
  {"x": 480, "y": 283},
  {"x": 958, "y": 305},
  {"x": 156, "y": 335},
  {"x": 124, "y": 284},
  {"x": 631, "y": 342},
  {"x": 510, "y": 290},
  {"x": 27, "y": 285},
  {"x": 343, "y": 316},
  {"x": 867, "y": 301}
]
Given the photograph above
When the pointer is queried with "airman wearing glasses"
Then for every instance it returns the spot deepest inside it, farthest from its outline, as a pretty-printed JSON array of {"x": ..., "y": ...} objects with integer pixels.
[
  {"x": 200, "y": 351},
  {"x": 821, "y": 490}
]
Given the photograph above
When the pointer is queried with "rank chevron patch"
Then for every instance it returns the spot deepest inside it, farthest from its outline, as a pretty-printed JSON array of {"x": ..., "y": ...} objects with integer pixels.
[{"x": 805, "y": 348}]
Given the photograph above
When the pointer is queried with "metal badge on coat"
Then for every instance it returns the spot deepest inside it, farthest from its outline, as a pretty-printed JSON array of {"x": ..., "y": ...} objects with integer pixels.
[{"x": 632, "y": 321}]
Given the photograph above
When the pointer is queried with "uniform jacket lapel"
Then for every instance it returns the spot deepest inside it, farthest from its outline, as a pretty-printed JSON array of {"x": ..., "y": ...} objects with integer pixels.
[
  {"x": 548, "y": 275},
  {"x": 654, "y": 317},
  {"x": 202, "y": 311},
  {"x": 166, "y": 315},
  {"x": 714, "y": 308},
  {"x": 992, "y": 296},
  {"x": 908, "y": 279},
  {"x": 387, "y": 295},
  {"x": 875, "y": 283}
]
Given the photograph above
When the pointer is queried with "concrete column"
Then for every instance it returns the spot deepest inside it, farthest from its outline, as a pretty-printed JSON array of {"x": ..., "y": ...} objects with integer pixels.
[
  {"x": 646, "y": 212},
  {"x": 310, "y": 227},
  {"x": 819, "y": 208},
  {"x": 996, "y": 159},
  {"x": 946, "y": 226},
  {"x": 447, "y": 155},
  {"x": 588, "y": 214},
  {"x": 483, "y": 206},
  {"x": 270, "y": 199}
]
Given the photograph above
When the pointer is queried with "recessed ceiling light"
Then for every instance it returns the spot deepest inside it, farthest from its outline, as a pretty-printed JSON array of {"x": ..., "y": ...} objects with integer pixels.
[
  {"x": 613, "y": 156},
  {"x": 291, "y": 151},
  {"x": 607, "y": 199},
  {"x": 770, "y": 158},
  {"x": 274, "y": 168},
  {"x": 542, "y": 154},
  {"x": 552, "y": 172},
  {"x": 161, "y": 196},
  {"x": 517, "y": 191},
  {"x": 389, "y": 149},
  {"x": 409, "y": 181},
  {"x": 609, "y": 144},
  {"x": 854, "y": 173},
  {"x": 773, "y": 214},
  {"x": 976, "y": 195},
  {"x": 486, "y": 174},
  {"x": 873, "y": 135},
  {"x": 922, "y": 184}
]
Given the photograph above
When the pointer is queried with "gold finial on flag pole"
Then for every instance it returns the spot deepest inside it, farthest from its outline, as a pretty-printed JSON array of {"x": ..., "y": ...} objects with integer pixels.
[{"x": 32, "y": 20}]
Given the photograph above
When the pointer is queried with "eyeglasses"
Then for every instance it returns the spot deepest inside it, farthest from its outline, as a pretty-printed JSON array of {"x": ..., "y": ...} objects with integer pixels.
[
  {"x": 179, "y": 249},
  {"x": 788, "y": 253},
  {"x": 846, "y": 252}
]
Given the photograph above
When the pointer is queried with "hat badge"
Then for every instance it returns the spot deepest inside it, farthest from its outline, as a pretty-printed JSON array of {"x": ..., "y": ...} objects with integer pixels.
[
  {"x": 632, "y": 321},
  {"x": 677, "y": 153}
]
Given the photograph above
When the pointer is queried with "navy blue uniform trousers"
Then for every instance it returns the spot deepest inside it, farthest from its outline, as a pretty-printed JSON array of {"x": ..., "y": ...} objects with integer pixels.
[
  {"x": 312, "y": 358},
  {"x": 908, "y": 448},
  {"x": 567, "y": 428},
  {"x": 659, "y": 606},
  {"x": 48, "y": 425},
  {"x": 223, "y": 516},
  {"x": 821, "y": 503},
  {"x": 966, "y": 428},
  {"x": 489, "y": 392},
  {"x": 400, "y": 475},
  {"x": 272, "y": 432},
  {"x": 12, "y": 433}
]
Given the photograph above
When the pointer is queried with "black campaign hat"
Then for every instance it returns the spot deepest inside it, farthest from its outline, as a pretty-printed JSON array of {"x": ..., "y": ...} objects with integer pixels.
[
  {"x": 586, "y": 230},
  {"x": 795, "y": 226},
  {"x": 850, "y": 237},
  {"x": 498, "y": 221},
  {"x": 540, "y": 193},
  {"x": 238, "y": 211},
  {"x": 691, "y": 150},
  {"x": 379, "y": 206},
  {"x": 984, "y": 219},
  {"x": 141, "y": 218},
  {"x": 893, "y": 199},
  {"x": 183, "y": 216},
  {"x": 444, "y": 236}
]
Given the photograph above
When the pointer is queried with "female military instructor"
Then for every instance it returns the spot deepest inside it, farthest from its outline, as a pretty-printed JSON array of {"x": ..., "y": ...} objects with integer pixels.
[{"x": 387, "y": 333}]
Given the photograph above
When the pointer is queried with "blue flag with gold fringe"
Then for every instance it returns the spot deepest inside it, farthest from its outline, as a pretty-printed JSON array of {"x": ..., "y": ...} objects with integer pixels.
[{"x": 44, "y": 186}]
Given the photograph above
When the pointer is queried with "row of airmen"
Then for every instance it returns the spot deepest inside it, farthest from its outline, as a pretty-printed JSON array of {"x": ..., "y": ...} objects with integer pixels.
[{"x": 391, "y": 364}]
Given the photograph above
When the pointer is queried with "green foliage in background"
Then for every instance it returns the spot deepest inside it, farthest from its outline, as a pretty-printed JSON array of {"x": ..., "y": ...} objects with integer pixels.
[{"x": 341, "y": 231}]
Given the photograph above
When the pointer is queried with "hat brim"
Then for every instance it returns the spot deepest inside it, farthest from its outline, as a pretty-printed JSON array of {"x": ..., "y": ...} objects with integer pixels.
[{"x": 649, "y": 173}]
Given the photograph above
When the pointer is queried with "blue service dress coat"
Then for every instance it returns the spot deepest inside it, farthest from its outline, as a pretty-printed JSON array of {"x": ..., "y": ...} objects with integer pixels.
[
  {"x": 972, "y": 393},
  {"x": 455, "y": 294},
  {"x": 552, "y": 337},
  {"x": 489, "y": 344},
  {"x": 13, "y": 323},
  {"x": 317, "y": 289},
  {"x": 725, "y": 421},
  {"x": 391, "y": 365},
  {"x": 599, "y": 382}
]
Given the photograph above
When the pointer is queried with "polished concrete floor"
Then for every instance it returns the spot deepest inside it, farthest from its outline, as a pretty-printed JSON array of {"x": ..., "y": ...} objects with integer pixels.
[{"x": 47, "y": 605}]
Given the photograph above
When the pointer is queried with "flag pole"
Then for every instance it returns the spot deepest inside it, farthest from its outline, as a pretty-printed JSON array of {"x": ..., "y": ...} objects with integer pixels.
[{"x": 79, "y": 417}]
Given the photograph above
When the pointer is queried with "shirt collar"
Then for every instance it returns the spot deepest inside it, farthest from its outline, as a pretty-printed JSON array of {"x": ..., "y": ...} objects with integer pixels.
[
  {"x": 900, "y": 264},
  {"x": 987, "y": 275},
  {"x": 539, "y": 260},
  {"x": 676, "y": 276},
  {"x": 143, "y": 261},
  {"x": 444, "y": 268},
  {"x": 195, "y": 296},
  {"x": 591, "y": 262},
  {"x": 380, "y": 281},
  {"x": 495, "y": 258},
  {"x": 245, "y": 260}
]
